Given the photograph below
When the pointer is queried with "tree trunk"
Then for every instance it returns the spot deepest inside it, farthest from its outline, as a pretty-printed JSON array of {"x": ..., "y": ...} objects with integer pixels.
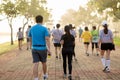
[
  {"x": 24, "y": 27},
  {"x": 11, "y": 35},
  {"x": 11, "y": 29},
  {"x": 24, "y": 24}
]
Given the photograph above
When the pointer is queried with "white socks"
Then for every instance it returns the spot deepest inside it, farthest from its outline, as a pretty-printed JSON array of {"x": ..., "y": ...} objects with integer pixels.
[
  {"x": 105, "y": 62},
  {"x": 108, "y": 63},
  {"x": 35, "y": 78}
]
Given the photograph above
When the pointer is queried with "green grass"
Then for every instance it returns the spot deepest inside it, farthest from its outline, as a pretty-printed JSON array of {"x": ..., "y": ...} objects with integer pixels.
[
  {"x": 5, "y": 47},
  {"x": 117, "y": 41}
]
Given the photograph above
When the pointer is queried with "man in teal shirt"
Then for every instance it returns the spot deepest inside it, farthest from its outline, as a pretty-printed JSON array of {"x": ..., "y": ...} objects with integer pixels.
[{"x": 39, "y": 36}]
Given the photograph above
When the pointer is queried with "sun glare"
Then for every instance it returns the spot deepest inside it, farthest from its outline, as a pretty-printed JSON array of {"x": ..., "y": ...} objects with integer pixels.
[{"x": 59, "y": 7}]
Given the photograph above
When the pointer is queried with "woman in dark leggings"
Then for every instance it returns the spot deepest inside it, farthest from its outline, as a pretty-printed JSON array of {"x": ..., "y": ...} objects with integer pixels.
[{"x": 67, "y": 42}]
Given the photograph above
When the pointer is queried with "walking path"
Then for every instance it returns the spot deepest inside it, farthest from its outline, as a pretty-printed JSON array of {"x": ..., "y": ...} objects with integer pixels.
[{"x": 17, "y": 65}]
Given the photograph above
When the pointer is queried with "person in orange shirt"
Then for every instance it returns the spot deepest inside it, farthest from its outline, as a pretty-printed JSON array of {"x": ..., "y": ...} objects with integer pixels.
[{"x": 86, "y": 36}]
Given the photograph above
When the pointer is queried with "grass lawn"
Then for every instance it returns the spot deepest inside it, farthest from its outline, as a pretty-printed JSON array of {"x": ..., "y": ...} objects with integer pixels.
[
  {"x": 117, "y": 41},
  {"x": 5, "y": 47}
]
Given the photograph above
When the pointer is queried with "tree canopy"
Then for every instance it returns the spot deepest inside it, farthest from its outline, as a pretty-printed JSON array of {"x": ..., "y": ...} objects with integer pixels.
[
  {"x": 27, "y": 8},
  {"x": 112, "y": 6}
]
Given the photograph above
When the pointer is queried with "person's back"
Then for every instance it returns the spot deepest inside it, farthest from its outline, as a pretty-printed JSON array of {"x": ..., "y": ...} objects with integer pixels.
[
  {"x": 73, "y": 32},
  {"x": 106, "y": 43},
  {"x": 95, "y": 35},
  {"x": 20, "y": 34},
  {"x": 27, "y": 37},
  {"x": 57, "y": 33},
  {"x": 27, "y": 31},
  {"x": 20, "y": 38},
  {"x": 86, "y": 35},
  {"x": 106, "y": 38},
  {"x": 38, "y": 33},
  {"x": 95, "y": 39},
  {"x": 80, "y": 31},
  {"x": 39, "y": 36},
  {"x": 67, "y": 41}
]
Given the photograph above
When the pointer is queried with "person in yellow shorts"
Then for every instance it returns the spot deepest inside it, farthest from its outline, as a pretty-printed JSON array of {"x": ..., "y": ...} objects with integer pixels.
[{"x": 86, "y": 37}]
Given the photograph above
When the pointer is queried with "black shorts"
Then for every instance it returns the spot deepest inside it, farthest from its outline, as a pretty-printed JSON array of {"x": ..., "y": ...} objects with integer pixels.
[
  {"x": 96, "y": 45},
  {"x": 87, "y": 43},
  {"x": 57, "y": 45},
  {"x": 20, "y": 39},
  {"x": 39, "y": 55},
  {"x": 107, "y": 46},
  {"x": 28, "y": 39}
]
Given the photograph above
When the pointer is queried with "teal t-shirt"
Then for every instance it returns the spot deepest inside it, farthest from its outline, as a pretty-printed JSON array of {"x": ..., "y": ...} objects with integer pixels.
[
  {"x": 38, "y": 33},
  {"x": 95, "y": 35}
]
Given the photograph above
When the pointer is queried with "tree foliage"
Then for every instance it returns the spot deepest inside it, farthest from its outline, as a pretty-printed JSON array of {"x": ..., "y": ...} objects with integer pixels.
[
  {"x": 13, "y": 8},
  {"x": 82, "y": 16},
  {"x": 112, "y": 6}
]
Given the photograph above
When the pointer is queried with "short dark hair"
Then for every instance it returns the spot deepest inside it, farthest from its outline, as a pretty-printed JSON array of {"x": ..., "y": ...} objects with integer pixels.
[
  {"x": 39, "y": 19},
  {"x": 57, "y": 25},
  {"x": 67, "y": 29},
  {"x": 19, "y": 28},
  {"x": 29, "y": 26},
  {"x": 94, "y": 27},
  {"x": 70, "y": 25},
  {"x": 86, "y": 28}
]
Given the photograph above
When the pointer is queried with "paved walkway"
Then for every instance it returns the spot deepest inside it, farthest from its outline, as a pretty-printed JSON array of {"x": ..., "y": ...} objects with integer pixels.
[{"x": 17, "y": 65}]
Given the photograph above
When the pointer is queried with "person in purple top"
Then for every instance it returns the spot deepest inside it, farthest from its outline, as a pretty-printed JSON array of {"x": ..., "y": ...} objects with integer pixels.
[
  {"x": 72, "y": 32},
  {"x": 106, "y": 42},
  {"x": 20, "y": 38},
  {"x": 57, "y": 33}
]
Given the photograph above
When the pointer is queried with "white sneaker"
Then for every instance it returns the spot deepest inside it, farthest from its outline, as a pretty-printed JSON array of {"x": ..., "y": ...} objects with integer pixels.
[
  {"x": 69, "y": 77},
  {"x": 106, "y": 69},
  {"x": 65, "y": 76},
  {"x": 45, "y": 77}
]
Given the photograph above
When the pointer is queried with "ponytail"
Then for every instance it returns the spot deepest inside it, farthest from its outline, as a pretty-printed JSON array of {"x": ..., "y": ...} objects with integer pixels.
[
  {"x": 67, "y": 30},
  {"x": 105, "y": 28}
]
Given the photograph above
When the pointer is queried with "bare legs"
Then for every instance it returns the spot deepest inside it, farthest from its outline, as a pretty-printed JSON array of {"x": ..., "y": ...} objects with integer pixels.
[
  {"x": 35, "y": 69},
  {"x": 58, "y": 52},
  {"x": 105, "y": 59},
  {"x": 20, "y": 44},
  {"x": 86, "y": 49}
]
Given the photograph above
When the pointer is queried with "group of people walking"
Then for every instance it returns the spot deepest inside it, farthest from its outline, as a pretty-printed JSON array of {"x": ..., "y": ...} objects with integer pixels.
[
  {"x": 103, "y": 42},
  {"x": 90, "y": 37},
  {"x": 20, "y": 37},
  {"x": 64, "y": 43}
]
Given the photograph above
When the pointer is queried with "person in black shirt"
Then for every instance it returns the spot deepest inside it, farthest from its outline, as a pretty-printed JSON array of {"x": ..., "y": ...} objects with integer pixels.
[{"x": 67, "y": 42}]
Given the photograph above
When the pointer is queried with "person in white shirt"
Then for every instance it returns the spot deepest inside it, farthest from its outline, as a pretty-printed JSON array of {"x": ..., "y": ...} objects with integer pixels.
[
  {"x": 57, "y": 33},
  {"x": 106, "y": 42},
  {"x": 27, "y": 38},
  {"x": 20, "y": 38}
]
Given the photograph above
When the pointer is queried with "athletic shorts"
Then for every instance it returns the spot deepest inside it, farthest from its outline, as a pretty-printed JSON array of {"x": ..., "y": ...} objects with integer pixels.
[
  {"x": 57, "y": 45},
  {"x": 39, "y": 55},
  {"x": 94, "y": 44},
  {"x": 28, "y": 39},
  {"x": 87, "y": 43},
  {"x": 20, "y": 39},
  {"x": 107, "y": 46}
]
